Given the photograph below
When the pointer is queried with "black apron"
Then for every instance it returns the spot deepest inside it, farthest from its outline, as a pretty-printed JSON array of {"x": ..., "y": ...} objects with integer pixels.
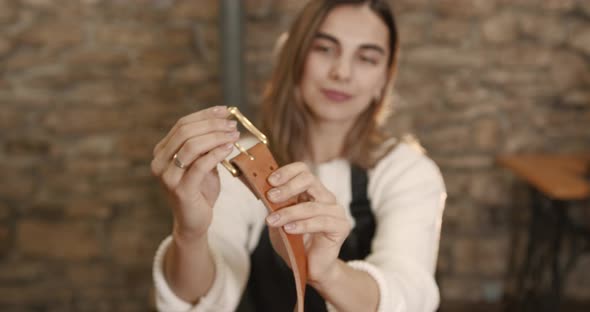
[{"x": 271, "y": 287}]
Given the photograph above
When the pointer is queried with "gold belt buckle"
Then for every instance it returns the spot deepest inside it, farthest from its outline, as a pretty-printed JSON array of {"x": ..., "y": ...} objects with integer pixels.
[{"x": 235, "y": 112}]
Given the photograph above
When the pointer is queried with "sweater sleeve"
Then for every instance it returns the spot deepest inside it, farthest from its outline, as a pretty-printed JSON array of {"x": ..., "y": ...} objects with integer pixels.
[
  {"x": 408, "y": 195},
  {"x": 230, "y": 240}
]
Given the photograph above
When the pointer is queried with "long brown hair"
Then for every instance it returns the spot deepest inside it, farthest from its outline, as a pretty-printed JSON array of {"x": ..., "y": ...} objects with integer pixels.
[{"x": 284, "y": 116}]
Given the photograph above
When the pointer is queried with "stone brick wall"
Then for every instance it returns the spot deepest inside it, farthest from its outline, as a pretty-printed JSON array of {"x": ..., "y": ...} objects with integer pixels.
[{"x": 87, "y": 87}]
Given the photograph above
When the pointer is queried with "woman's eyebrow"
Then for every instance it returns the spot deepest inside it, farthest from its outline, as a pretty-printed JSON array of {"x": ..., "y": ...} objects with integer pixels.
[
  {"x": 321, "y": 35},
  {"x": 367, "y": 46}
]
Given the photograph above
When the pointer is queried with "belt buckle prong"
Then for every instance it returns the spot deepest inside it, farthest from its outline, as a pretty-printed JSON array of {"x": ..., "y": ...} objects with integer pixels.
[{"x": 235, "y": 112}]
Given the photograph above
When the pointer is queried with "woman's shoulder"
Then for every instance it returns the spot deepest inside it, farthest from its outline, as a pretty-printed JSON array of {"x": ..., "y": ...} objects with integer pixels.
[{"x": 407, "y": 161}]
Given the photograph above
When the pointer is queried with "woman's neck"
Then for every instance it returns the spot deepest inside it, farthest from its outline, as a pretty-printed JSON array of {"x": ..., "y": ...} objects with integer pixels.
[{"x": 327, "y": 140}]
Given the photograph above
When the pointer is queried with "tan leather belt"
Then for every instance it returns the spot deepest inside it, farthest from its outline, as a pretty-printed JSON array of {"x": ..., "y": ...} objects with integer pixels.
[{"x": 253, "y": 167}]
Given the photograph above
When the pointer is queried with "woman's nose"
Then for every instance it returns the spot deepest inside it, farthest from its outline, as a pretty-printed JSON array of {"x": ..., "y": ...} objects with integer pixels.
[{"x": 341, "y": 70}]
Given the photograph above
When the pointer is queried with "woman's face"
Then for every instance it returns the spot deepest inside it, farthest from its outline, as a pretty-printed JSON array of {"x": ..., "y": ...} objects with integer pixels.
[{"x": 346, "y": 66}]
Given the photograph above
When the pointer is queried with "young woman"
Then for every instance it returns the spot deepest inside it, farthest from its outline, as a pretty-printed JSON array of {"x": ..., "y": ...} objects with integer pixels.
[{"x": 372, "y": 217}]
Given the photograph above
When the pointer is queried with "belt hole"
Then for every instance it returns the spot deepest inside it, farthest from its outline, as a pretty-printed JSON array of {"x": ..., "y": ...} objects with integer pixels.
[
  {"x": 272, "y": 168},
  {"x": 254, "y": 174}
]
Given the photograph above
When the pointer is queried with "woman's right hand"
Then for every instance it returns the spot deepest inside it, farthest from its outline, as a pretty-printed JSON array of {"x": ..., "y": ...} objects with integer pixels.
[{"x": 200, "y": 141}]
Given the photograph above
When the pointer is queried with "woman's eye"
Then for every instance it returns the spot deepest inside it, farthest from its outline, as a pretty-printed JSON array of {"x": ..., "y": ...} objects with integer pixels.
[
  {"x": 368, "y": 60},
  {"x": 322, "y": 48}
]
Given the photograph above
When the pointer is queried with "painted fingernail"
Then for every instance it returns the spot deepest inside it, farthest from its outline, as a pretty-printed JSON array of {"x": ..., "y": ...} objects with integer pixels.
[
  {"x": 232, "y": 124},
  {"x": 273, "y": 218},
  {"x": 274, "y": 193},
  {"x": 274, "y": 178},
  {"x": 289, "y": 227},
  {"x": 233, "y": 134},
  {"x": 219, "y": 109}
]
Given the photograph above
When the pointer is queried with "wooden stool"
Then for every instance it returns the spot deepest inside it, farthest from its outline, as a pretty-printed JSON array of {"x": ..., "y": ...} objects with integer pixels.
[{"x": 555, "y": 182}]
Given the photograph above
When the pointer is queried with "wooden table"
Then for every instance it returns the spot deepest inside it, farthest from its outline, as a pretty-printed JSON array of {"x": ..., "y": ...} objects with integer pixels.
[
  {"x": 555, "y": 182},
  {"x": 560, "y": 177}
]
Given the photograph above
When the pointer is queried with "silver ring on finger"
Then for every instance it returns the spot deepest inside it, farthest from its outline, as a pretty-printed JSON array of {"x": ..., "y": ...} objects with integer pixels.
[{"x": 177, "y": 161}]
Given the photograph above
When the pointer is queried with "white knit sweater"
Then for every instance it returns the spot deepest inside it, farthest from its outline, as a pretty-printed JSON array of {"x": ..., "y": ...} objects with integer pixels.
[{"x": 407, "y": 195}]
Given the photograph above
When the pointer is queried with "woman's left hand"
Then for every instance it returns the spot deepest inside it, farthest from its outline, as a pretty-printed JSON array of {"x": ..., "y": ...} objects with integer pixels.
[{"x": 317, "y": 214}]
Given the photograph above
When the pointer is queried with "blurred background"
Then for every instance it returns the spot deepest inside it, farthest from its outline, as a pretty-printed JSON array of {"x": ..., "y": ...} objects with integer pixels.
[{"x": 88, "y": 87}]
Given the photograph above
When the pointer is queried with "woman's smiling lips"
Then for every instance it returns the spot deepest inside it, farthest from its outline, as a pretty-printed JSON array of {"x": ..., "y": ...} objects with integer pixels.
[{"x": 336, "y": 96}]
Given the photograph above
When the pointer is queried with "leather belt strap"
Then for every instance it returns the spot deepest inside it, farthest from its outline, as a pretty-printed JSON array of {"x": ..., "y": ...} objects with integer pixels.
[{"x": 254, "y": 173}]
